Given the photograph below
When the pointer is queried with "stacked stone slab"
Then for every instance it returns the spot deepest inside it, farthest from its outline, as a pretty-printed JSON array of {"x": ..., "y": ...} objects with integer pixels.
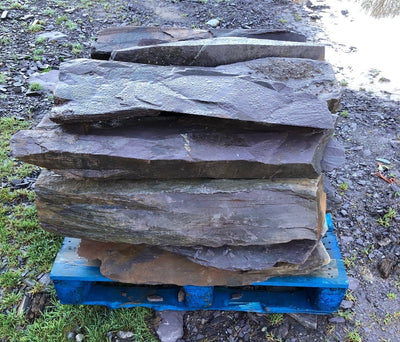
[{"x": 190, "y": 157}]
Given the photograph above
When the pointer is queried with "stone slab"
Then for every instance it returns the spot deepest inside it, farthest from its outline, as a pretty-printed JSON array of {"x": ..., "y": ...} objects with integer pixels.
[
  {"x": 170, "y": 148},
  {"x": 247, "y": 258},
  {"x": 151, "y": 265},
  {"x": 211, "y": 213},
  {"x": 92, "y": 90},
  {"x": 116, "y": 38},
  {"x": 217, "y": 51}
]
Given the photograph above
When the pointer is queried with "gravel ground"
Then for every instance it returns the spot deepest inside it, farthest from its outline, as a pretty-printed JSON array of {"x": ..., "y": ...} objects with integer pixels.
[{"x": 365, "y": 207}]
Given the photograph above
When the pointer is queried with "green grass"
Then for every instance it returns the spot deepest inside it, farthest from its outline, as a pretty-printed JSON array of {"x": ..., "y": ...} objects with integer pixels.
[
  {"x": 77, "y": 48},
  {"x": 3, "y": 78},
  {"x": 22, "y": 237},
  {"x": 35, "y": 86}
]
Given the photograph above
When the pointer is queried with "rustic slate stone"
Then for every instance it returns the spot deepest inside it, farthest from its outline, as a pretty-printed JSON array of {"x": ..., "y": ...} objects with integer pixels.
[
  {"x": 115, "y": 38},
  {"x": 216, "y": 51},
  {"x": 183, "y": 212},
  {"x": 91, "y": 90},
  {"x": 165, "y": 148},
  {"x": 246, "y": 258},
  {"x": 287, "y": 74},
  {"x": 151, "y": 265}
]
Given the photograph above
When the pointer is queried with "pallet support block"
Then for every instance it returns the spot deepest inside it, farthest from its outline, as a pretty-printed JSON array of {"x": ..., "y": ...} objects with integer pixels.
[{"x": 78, "y": 281}]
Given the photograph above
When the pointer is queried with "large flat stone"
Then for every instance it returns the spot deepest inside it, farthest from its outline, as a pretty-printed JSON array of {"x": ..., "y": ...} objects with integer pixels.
[
  {"x": 152, "y": 265},
  {"x": 217, "y": 51},
  {"x": 183, "y": 212},
  {"x": 165, "y": 148},
  {"x": 91, "y": 90},
  {"x": 246, "y": 258},
  {"x": 116, "y": 38}
]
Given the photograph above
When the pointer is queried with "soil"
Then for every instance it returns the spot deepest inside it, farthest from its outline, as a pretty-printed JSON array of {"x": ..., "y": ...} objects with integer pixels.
[{"x": 368, "y": 127}]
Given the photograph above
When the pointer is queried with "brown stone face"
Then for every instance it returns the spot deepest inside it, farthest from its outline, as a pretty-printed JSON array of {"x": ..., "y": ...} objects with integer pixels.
[
  {"x": 212, "y": 213},
  {"x": 150, "y": 265}
]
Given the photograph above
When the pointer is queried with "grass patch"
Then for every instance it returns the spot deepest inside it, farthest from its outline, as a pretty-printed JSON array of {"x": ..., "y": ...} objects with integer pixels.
[
  {"x": 21, "y": 237},
  {"x": 35, "y": 86}
]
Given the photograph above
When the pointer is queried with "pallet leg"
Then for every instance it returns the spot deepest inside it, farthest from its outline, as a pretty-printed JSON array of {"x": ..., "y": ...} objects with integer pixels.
[
  {"x": 199, "y": 296},
  {"x": 72, "y": 292},
  {"x": 328, "y": 299}
]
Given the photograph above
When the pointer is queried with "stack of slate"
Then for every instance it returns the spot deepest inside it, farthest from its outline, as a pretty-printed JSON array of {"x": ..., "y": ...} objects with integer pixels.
[{"x": 193, "y": 161}]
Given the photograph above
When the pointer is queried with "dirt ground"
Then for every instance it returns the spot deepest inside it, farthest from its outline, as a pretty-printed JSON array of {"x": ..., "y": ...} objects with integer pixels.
[{"x": 365, "y": 207}]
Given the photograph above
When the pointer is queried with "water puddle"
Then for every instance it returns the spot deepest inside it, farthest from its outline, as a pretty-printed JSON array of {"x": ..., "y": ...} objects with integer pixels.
[{"x": 363, "y": 49}]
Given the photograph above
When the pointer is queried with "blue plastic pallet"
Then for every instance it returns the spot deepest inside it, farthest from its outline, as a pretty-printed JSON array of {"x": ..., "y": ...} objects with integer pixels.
[{"x": 79, "y": 281}]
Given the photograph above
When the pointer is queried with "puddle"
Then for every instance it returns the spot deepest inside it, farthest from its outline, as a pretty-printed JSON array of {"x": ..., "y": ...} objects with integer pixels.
[{"x": 363, "y": 49}]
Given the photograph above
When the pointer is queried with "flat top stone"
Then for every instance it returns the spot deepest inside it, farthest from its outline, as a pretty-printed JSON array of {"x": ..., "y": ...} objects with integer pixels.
[
  {"x": 91, "y": 90},
  {"x": 217, "y": 51}
]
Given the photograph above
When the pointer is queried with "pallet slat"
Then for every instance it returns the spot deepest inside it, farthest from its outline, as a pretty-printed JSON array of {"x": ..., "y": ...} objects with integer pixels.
[{"x": 78, "y": 281}]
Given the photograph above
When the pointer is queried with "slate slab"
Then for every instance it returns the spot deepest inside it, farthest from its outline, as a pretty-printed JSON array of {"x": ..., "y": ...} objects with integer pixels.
[
  {"x": 217, "y": 51},
  {"x": 91, "y": 90},
  {"x": 246, "y": 258},
  {"x": 182, "y": 212},
  {"x": 171, "y": 148},
  {"x": 151, "y": 265},
  {"x": 116, "y": 38}
]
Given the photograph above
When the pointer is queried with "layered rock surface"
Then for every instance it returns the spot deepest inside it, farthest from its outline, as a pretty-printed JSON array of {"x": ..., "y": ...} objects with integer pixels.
[
  {"x": 117, "y": 38},
  {"x": 216, "y": 51},
  {"x": 172, "y": 148},
  {"x": 91, "y": 90},
  {"x": 183, "y": 213},
  {"x": 151, "y": 265}
]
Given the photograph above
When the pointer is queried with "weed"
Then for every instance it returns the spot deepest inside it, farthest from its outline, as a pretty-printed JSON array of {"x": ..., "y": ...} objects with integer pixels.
[
  {"x": 61, "y": 19},
  {"x": 344, "y": 114},
  {"x": 345, "y": 314},
  {"x": 40, "y": 40},
  {"x": 344, "y": 83},
  {"x": 353, "y": 336},
  {"x": 270, "y": 336},
  {"x": 77, "y": 48},
  {"x": 35, "y": 28},
  {"x": 5, "y": 40},
  {"x": 275, "y": 318},
  {"x": 297, "y": 17},
  {"x": 3, "y": 78},
  {"x": 49, "y": 12},
  {"x": 349, "y": 296},
  {"x": 37, "y": 54},
  {"x": 388, "y": 318},
  {"x": 10, "y": 299},
  {"x": 70, "y": 25},
  {"x": 17, "y": 6},
  {"x": 387, "y": 218},
  {"x": 391, "y": 296},
  {"x": 283, "y": 21},
  {"x": 343, "y": 186},
  {"x": 34, "y": 86},
  {"x": 10, "y": 279}
]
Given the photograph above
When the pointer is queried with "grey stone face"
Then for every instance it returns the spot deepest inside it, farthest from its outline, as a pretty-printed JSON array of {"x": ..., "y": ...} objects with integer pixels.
[
  {"x": 217, "y": 51},
  {"x": 90, "y": 91},
  {"x": 172, "y": 148}
]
